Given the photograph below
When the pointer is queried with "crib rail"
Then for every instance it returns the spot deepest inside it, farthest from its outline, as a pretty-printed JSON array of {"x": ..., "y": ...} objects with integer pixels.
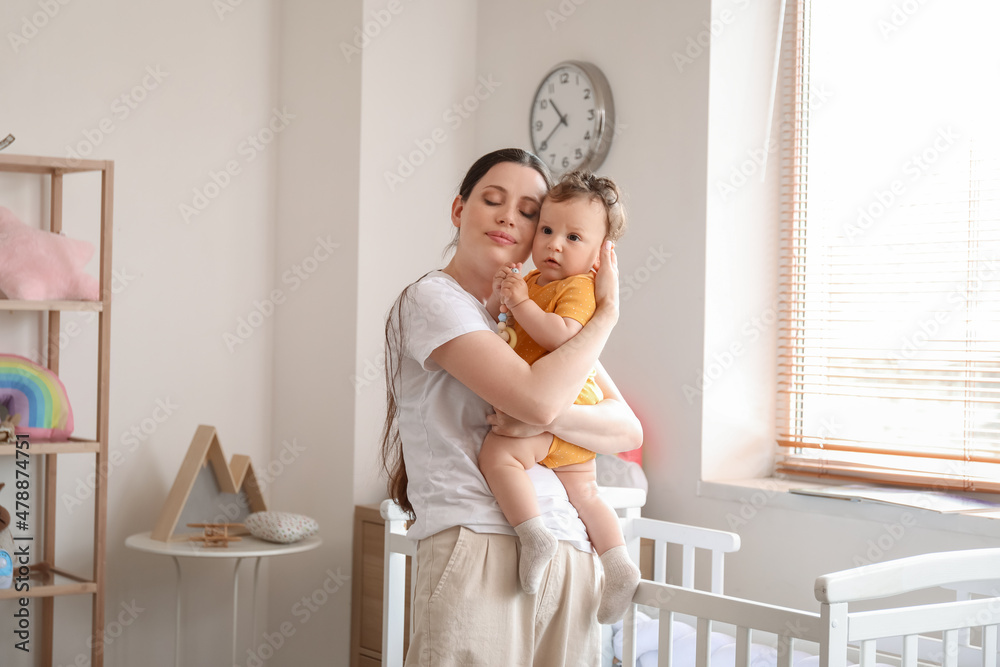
[
  {"x": 939, "y": 634},
  {"x": 909, "y": 574},
  {"x": 666, "y": 535},
  {"x": 744, "y": 618},
  {"x": 688, "y": 538},
  {"x": 961, "y": 633}
]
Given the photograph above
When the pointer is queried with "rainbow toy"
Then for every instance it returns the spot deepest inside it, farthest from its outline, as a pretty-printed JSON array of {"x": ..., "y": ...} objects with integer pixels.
[{"x": 36, "y": 394}]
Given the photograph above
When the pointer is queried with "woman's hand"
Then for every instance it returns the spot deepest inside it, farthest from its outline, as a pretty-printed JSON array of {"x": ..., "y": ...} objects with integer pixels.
[
  {"x": 504, "y": 424},
  {"x": 606, "y": 282}
]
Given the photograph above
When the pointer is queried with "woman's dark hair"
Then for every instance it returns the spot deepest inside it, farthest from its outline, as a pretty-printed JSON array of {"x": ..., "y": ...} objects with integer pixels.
[
  {"x": 395, "y": 335},
  {"x": 487, "y": 162}
]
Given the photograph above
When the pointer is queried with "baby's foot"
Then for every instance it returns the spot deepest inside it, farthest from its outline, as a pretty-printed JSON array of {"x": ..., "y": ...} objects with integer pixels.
[
  {"x": 621, "y": 577},
  {"x": 538, "y": 546}
]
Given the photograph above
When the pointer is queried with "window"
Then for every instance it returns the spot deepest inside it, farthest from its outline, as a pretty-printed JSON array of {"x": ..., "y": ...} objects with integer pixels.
[{"x": 889, "y": 347}]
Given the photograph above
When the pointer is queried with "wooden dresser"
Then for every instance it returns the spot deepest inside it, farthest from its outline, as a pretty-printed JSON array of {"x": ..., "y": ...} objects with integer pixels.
[{"x": 366, "y": 587}]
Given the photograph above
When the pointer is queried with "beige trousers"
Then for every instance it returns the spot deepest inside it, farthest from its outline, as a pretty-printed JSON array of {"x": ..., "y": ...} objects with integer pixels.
[{"x": 469, "y": 609}]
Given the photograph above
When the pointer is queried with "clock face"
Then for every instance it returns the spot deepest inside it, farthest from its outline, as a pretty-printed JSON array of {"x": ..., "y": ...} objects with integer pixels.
[{"x": 570, "y": 115}]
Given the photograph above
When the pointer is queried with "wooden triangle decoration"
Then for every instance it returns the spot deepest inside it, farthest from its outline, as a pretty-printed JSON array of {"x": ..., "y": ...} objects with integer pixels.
[{"x": 233, "y": 477}]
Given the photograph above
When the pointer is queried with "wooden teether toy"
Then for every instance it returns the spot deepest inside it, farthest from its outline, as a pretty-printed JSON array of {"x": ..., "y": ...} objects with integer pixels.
[{"x": 505, "y": 325}]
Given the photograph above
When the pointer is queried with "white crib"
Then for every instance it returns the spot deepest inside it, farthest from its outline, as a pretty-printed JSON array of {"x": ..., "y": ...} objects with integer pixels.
[
  {"x": 627, "y": 502},
  {"x": 958, "y": 633}
]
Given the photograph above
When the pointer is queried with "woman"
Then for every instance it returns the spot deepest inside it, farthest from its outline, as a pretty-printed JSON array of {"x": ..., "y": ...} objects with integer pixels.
[{"x": 446, "y": 373}]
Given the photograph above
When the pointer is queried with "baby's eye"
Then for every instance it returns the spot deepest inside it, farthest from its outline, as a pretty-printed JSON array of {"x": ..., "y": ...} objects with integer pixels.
[
  {"x": 574, "y": 237},
  {"x": 546, "y": 230}
]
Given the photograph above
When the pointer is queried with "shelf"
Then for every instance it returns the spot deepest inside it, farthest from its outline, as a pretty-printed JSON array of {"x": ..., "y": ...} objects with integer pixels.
[
  {"x": 29, "y": 164},
  {"x": 64, "y": 447},
  {"x": 10, "y": 304},
  {"x": 47, "y": 581},
  {"x": 54, "y": 582}
]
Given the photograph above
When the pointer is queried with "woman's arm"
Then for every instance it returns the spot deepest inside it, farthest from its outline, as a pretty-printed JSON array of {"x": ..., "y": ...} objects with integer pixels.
[
  {"x": 607, "y": 428},
  {"x": 484, "y": 363}
]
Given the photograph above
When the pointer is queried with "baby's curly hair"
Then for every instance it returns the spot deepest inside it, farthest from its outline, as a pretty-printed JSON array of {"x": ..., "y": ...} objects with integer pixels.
[{"x": 583, "y": 183}]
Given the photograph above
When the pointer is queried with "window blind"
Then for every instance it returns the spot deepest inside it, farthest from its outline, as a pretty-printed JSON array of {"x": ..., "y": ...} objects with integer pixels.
[{"x": 889, "y": 326}]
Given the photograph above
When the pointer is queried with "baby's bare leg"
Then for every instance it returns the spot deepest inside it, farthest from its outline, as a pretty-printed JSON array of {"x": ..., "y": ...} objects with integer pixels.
[
  {"x": 580, "y": 480},
  {"x": 621, "y": 576},
  {"x": 503, "y": 462}
]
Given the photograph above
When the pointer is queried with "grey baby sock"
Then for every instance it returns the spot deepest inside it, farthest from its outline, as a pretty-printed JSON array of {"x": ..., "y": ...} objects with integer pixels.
[
  {"x": 621, "y": 577},
  {"x": 538, "y": 546}
]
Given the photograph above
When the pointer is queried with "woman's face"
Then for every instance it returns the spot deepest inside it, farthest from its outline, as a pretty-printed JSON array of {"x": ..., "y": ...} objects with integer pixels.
[{"x": 497, "y": 222}]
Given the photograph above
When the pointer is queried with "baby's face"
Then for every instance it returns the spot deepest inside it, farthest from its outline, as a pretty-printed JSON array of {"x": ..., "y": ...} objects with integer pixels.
[{"x": 569, "y": 237}]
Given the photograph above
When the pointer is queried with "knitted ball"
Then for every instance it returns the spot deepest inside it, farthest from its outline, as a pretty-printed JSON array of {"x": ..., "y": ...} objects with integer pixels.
[{"x": 281, "y": 527}]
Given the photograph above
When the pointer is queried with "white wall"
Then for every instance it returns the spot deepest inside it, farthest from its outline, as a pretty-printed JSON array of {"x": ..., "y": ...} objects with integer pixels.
[
  {"x": 310, "y": 375},
  {"x": 659, "y": 158},
  {"x": 689, "y": 114},
  {"x": 414, "y": 151},
  {"x": 316, "y": 269},
  {"x": 186, "y": 283}
]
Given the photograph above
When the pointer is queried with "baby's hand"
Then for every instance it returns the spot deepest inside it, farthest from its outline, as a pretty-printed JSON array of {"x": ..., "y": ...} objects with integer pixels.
[
  {"x": 513, "y": 290},
  {"x": 502, "y": 273}
]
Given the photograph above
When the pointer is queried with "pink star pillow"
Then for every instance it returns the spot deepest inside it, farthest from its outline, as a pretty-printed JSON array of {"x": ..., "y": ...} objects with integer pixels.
[{"x": 37, "y": 265}]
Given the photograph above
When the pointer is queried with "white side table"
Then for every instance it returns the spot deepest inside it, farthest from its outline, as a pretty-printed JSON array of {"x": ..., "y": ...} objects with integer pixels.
[{"x": 248, "y": 547}]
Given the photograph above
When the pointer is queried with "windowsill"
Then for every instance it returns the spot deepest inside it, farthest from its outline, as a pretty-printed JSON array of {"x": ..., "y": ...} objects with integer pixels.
[{"x": 756, "y": 495}]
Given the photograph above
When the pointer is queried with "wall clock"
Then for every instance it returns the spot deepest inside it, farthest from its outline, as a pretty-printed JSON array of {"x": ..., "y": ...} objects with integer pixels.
[{"x": 572, "y": 117}]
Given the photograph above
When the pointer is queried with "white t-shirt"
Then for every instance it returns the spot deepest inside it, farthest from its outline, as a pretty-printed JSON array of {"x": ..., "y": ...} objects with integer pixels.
[{"x": 442, "y": 424}]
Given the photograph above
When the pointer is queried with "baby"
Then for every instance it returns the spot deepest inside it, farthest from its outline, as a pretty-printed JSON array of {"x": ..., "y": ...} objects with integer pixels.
[{"x": 550, "y": 306}]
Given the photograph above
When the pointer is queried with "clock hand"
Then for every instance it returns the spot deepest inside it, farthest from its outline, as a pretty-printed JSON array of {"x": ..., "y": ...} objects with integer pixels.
[
  {"x": 562, "y": 118},
  {"x": 545, "y": 144}
]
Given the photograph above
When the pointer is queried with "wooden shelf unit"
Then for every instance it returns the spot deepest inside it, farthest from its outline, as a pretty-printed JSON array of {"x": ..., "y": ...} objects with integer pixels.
[
  {"x": 92, "y": 306},
  {"x": 57, "y": 582},
  {"x": 42, "y": 448}
]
